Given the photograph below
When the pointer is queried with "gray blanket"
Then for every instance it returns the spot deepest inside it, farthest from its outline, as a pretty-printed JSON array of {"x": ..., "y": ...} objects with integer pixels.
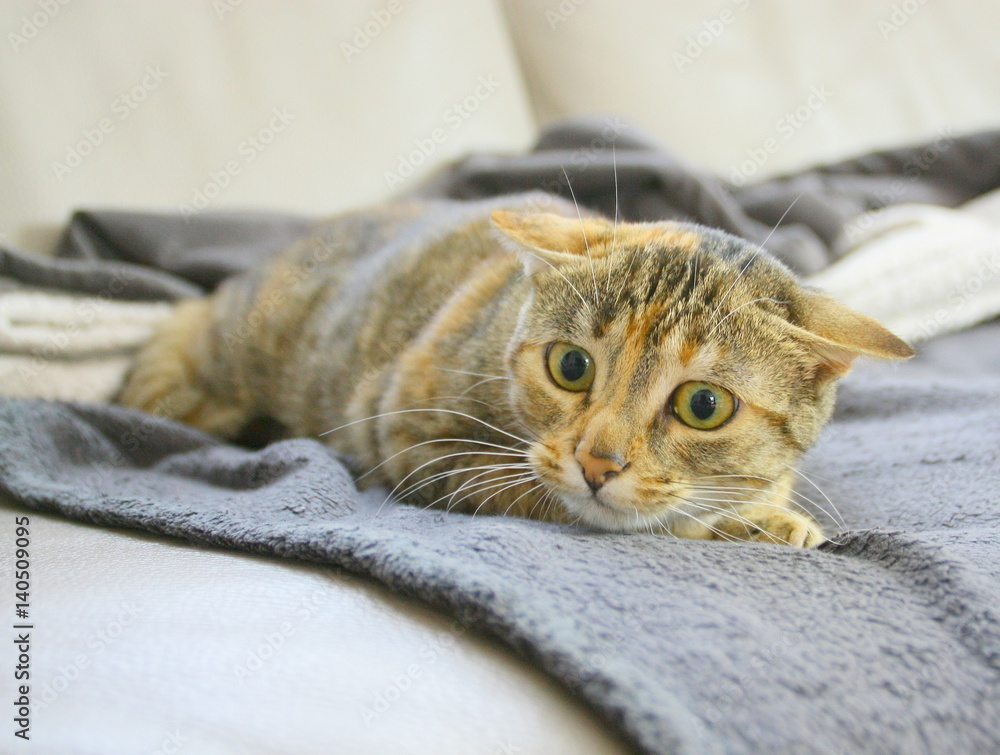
[{"x": 885, "y": 640}]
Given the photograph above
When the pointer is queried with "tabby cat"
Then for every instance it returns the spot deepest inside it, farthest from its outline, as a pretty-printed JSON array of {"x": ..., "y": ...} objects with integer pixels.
[{"x": 513, "y": 356}]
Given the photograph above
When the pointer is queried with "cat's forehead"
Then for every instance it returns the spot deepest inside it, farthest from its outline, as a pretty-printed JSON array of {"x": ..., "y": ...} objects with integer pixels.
[{"x": 657, "y": 274}]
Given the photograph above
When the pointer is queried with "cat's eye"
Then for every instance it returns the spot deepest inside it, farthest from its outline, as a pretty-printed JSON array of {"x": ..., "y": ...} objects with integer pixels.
[
  {"x": 702, "y": 406},
  {"x": 570, "y": 367}
]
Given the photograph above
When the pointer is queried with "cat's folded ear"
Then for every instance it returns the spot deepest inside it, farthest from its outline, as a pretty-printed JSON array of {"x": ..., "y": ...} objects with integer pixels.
[
  {"x": 544, "y": 241},
  {"x": 839, "y": 334}
]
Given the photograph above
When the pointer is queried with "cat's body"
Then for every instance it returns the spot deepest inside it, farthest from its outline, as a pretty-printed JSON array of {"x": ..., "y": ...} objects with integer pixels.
[{"x": 541, "y": 365}]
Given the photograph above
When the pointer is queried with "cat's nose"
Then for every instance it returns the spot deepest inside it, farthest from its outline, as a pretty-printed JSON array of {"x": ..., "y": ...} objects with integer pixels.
[{"x": 599, "y": 467}]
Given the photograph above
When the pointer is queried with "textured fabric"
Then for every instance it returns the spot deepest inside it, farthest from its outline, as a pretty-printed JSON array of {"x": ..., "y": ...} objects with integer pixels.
[
  {"x": 799, "y": 216},
  {"x": 922, "y": 271},
  {"x": 885, "y": 640},
  {"x": 71, "y": 347}
]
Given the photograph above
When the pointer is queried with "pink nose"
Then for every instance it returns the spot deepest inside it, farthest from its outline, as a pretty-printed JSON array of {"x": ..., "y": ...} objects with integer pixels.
[{"x": 598, "y": 470}]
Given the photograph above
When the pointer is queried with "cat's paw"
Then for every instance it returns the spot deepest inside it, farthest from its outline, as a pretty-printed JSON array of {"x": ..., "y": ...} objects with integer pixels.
[
  {"x": 770, "y": 524},
  {"x": 165, "y": 379}
]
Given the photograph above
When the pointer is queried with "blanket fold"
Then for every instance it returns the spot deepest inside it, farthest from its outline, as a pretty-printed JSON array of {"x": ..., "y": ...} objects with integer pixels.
[{"x": 886, "y": 637}]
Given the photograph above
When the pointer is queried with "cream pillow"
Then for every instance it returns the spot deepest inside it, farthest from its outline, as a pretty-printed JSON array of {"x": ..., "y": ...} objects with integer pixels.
[
  {"x": 179, "y": 105},
  {"x": 749, "y": 88}
]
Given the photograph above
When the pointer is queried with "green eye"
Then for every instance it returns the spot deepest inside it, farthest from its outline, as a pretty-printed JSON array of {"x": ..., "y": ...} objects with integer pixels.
[
  {"x": 570, "y": 367},
  {"x": 702, "y": 406}
]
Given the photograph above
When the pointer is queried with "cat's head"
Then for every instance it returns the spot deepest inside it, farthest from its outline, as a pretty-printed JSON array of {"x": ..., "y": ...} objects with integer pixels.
[{"x": 666, "y": 369}]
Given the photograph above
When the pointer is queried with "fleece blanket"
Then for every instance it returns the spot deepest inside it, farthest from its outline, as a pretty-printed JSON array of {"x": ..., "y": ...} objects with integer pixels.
[{"x": 886, "y": 639}]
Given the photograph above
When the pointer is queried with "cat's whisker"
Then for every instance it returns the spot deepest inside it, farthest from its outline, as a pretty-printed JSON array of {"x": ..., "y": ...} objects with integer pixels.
[
  {"x": 625, "y": 278},
  {"x": 551, "y": 501},
  {"x": 540, "y": 502},
  {"x": 729, "y": 513},
  {"x": 586, "y": 304},
  {"x": 748, "y": 526},
  {"x": 767, "y": 480},
  {"x": 614, "y": 222},
  {"x": 696, "y": 258},
  {"x": 476, "y": 385},
  {"x": 512, "y": 451},
  {"x": 476, "y": 484},
  {"x": 443, "y": 411},
  {"x": 517, "y": 421},
  {"x": 837, "y": 518},
  {"x": 489, "y": 484},
  {"x": 760, "y": 498},
  {"x": 766, "y": 502},
  {"x": 417, "y": 485},
  {"x": 722, "y": 535},
  {"x": 420, "y": 483},
  {"x": 474, "y": 374},
  {"x": 754, "y": 255},
  {"x": 720, "y": 323},
  {"x": 504, "y": 489},
  {"x": 763, "y": 244},
  {"x": 428, "y": 463},
  {"x": 526, "y": 492},
  {"x": 546, "y": 501},
  {"x": 819, "y": 490},
  {"x": 586, "y": 241},
  {"x": 447, "y": 472},
  {"x": 449, "y": 398},
  {"x": 472, "y": 484},
  {"x": 439, "y": 476}
]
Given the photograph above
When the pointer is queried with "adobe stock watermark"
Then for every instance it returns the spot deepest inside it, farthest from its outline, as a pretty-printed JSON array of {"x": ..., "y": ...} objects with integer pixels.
[
  {"x": 605, "y": 648},
  {"x": 55, "y": 347},
  {"x": 121, "y": 108},
  {"x": 365, "y": 33},
  {"x": 939, "y": 666},
  {"x": 580, "y": 161},
  {"x": 173, "y": 743},
  {"x": 900, "y": 17},
  {"x": 560, "y": 14},
  {"x": 247, "y": 151},
  {"x": 223, "y": 8},
  {"x": 272, "y": 642},
  {"x": 399, "y": 684},
  {"x": 453, "y": 118},
  {"x": 507, "y": 747},
  {"x": 320, "y": 251},
  {"x": 705, "y": 37},
  {"x": 68, "y": 674},
  {"x": 786, "y": 127},
  {"x": 34, "y": 23},
  {"x": 961, "y": 295},
  {"x": 761, "y": 662},
  {"x": 913, "y": 169}
]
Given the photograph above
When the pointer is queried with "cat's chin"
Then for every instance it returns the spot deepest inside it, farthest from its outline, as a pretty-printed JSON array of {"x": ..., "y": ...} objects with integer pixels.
[{"x": 594, "y": 513}]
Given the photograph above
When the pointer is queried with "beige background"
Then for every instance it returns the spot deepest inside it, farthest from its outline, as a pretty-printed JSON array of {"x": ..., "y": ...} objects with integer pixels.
[{"x": 229, "y": 64}]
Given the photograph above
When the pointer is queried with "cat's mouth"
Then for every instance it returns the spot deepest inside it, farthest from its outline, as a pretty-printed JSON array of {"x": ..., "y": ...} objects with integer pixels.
[{"x": 606, "y": 508}]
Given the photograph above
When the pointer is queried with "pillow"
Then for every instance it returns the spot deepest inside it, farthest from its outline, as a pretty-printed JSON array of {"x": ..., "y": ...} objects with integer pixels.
[
  {"x": 753, "y": 89},
  {"x": 182, "y": 105}
]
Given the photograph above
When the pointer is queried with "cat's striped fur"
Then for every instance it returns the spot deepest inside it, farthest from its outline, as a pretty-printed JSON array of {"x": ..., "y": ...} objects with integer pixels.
[{"x": 418, "y": 333}]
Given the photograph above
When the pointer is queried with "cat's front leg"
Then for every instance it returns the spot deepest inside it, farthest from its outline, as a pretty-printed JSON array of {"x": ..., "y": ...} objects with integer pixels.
[
  {"x": 171, "y": 376},
  {"x": 768, "y": 523}
]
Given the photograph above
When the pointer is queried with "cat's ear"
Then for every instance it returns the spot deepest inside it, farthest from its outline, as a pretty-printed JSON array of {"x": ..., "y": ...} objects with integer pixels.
[
  {"x": 839, "y": 334},
  {"x": 544, "y": 241}
]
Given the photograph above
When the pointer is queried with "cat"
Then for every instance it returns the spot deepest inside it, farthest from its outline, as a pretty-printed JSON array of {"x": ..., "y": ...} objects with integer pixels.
[{"x": 515, "y": 356}]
